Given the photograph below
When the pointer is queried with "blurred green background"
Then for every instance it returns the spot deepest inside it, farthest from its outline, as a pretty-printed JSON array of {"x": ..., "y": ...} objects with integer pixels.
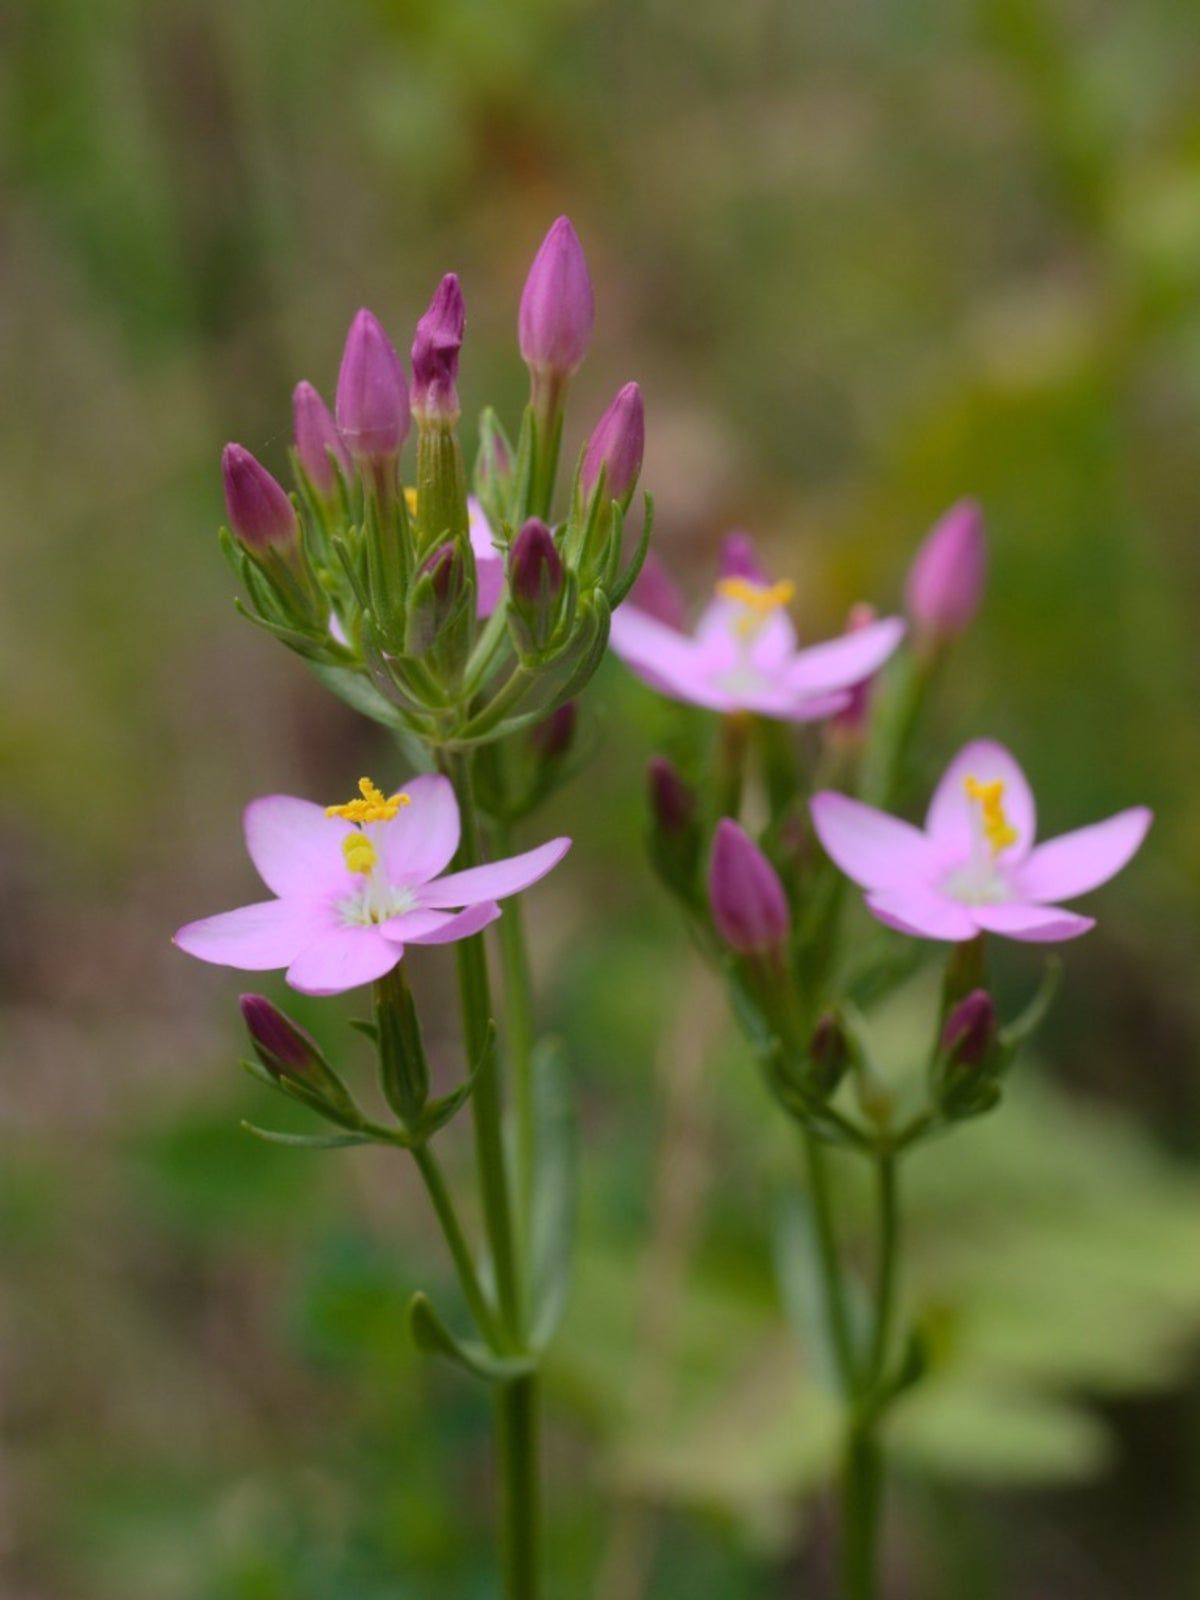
[{"x": 864, "y": 259}]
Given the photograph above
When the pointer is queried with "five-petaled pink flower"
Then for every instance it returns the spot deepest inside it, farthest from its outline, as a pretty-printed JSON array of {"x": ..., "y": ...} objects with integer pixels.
[
  {"x": 975, "y": 868},
  {"x": 356, "y": 883},
  {"x": 743, "y": 655}
]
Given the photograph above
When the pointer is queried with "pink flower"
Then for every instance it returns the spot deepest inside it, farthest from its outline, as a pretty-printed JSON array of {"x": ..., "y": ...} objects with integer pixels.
[
  {"x": 489, "y": 563},
  {"x": 355, "y": 883},
  {"x": 975, "y": 868},
  {"x": 743, "y": 654}
]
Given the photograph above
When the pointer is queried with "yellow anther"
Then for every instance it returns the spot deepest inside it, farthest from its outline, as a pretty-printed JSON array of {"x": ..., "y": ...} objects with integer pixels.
[
  {"x": 410, "y": 501},
  {"x": 359, "y": 853},
  {"x": 372, "y": 806},
  {"x": 761, "y": 598},
  {"x": 997, "y": 829}
]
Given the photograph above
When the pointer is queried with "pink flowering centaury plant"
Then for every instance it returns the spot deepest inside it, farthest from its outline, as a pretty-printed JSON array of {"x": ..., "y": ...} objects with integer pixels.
[
  {"x": 743, "y": 654},
  {"x": 357, "y": 882},
  {"x": 975, "y": 868}
]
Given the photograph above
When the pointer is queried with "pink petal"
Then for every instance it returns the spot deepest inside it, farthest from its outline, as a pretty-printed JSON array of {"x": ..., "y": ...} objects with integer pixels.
[
  {"x": 951, "y": 818},
  {"x": 260, "y": 937},
  {"x": 343, "y": 958},
  {"x": 876, "y": 850},
  {"x": 489, "y": 563},
  {"x": 296, "y": 847},
  {"x": 771, "y": 647},
  {"x": 458, "y": 924},
  {"x": 1076, "y": 862},
  {"x": 668, "y": 661},
  {"x": 656, "y": 595},
  {"x": 420, "y": 840},
  {"x": 843, "y": 662},
  {"x": 496, "y": 879},
  {"x": 922, "y": 912},
  {"x": 1031, "y": 924}
]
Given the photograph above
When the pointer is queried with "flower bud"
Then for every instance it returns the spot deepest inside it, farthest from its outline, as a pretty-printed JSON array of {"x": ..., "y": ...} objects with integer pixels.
[
  {"x": 372, "y": 393},
  {"x": 438, "y": 594},
  {"x": 945, "y": 581},
  {"x": 318, "y": 443},
  {"x": 616, "y": 447},
  {"x": 748, "y": 904},
  {"x": 535, "y": 581},
  {"x": 260, "y": 512},
  {"x": 554, "y": 326},
  {"x": 283, "y": 1046},
  {"x": 435, "y": 349},
  {"x": 828, "y": 1052},
  {"x": 672, "y": 801},
  {"x": 739, "y": 558},
  {"x": 554, "y": 736},
  {"x": 969, "y": 1032}
]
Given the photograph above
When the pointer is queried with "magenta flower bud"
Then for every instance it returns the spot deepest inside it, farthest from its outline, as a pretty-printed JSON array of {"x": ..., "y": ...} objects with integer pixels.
[
  {"x": 554, "y": 327},
  {"x": 317, "y": 440},
  {"x": 372, "y": 393},
  {"x": 945, "y": 581},
  {"x": 535, "y": 569},
  {"x": 553, "y": 737},
  {"x": 739, "y": 558},
  {"x": 283, "y": 1047},
  {"x": 748, "y": 904},
  {"x": 672, "y": 801},
  {"x": 435, "y": 349},
  {"x": 616, "y": 445},
  {"x": 260, "y": 513},
  {"x": 970, "y": 1030}
]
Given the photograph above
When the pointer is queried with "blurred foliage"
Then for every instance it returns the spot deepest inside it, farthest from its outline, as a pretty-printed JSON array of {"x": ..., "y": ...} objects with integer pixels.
[{"x": 864, "y": 260}]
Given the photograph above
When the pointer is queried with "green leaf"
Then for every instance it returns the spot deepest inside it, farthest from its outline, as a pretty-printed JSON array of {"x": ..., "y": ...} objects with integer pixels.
[
  {"x": 439, "y": 1112},
  {"x": 431, "y": 1336},
  {"x": 621, "y": 588},
  {"x": 308, "y": 1141},
  {"x": 556, "y": 1189}
]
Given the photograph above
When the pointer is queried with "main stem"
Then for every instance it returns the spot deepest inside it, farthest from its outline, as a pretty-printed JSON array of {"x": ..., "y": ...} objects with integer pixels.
[
  {"x": 832, "y": 1288},
  {"x": 517, "y": 1399},
  {"x": 518, "y": 1012},
  {"x": 862, "y": 1476}
]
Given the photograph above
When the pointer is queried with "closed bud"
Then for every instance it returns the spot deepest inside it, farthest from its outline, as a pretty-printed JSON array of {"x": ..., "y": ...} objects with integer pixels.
[
  {"x": 946, "y": 579},
  {"x": 739, "y": 558},
  {"x": 318, "y": 444},
  {"x": 969, "y": 1032},
  {"x": 672, "y": 801},
  {"x": 438, "y": 596},
  {"x": 260, "y": 513},
  {"x": 435, "y": 351},
  {"x": 294, "y": 1060},
  {"x": 553, "y": 737},
  {"x": 828, "y": 1052},
  {"x": 554, "y": 326},
  {"x": 749, "y": 907},
  {"x": 535, "y": 581},
  {"x": 616, "y": 447},
  {"x": 372, "y": 393}
]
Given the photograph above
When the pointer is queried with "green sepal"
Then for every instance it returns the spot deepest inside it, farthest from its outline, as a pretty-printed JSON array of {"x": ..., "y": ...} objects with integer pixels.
[
  {"x": 437, "y": 1113},
  {"x": 1021, "y": 1029},
  {"x": 619, "y": 589},
  {"x": 433, "y": 1338}
]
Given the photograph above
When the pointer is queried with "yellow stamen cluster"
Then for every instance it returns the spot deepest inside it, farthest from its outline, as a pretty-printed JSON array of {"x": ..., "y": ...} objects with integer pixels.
[
  {"x": 371, "y": 806},
  {"x": 997, "y": 829},
  {"x": 761, "y": 598},
  {"x": 410, "y": 501},
  {"x": 359, "y": 853}
]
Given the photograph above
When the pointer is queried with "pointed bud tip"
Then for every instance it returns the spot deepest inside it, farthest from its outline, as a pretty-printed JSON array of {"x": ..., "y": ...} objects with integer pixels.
[
  {"x": 282, "y": 1045},
  {"x": 616, "y": 446},
  {"x": 371, "y": 405},
  {"x": 435, "y": 352},
  {"x": 970, "y": 1029},
  {"x": 260, "y": 511},
  {"x": 554, "y": 326},
  {"x": 673, "y": 802},
  {"x": 749, "y": 906},
  {"x": 946, "y": 580},
  {"x": 315, "y": 436}
]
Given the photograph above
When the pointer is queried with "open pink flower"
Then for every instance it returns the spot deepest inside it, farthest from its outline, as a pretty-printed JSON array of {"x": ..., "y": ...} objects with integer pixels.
[
  {"x": 743, "y": 654},
  {"x": 975, "y": 868},
  {"x": 355, "y": 884}
]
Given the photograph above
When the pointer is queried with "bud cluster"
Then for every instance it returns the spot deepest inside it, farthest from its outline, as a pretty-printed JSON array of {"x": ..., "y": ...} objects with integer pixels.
[{"x": 459, "y": 621}]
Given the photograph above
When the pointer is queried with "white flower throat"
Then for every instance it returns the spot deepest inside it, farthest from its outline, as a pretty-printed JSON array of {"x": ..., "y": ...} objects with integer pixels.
[
  {"x": 377, "y": 900},
  {"x": 980, "y": 880}
]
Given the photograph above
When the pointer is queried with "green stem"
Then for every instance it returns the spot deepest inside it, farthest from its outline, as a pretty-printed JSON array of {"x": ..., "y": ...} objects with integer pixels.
[
  {"x": 885, "y": 1297},
  {"x": 862, "y": 1483},
  {"x": 827, "y": 1257},
  {"x": 517, "y": 1440},
  {"x": 518, "y": 1012},
  {"x": 487, "y": 1107},
  {"x": 485, "y": 1317}
]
